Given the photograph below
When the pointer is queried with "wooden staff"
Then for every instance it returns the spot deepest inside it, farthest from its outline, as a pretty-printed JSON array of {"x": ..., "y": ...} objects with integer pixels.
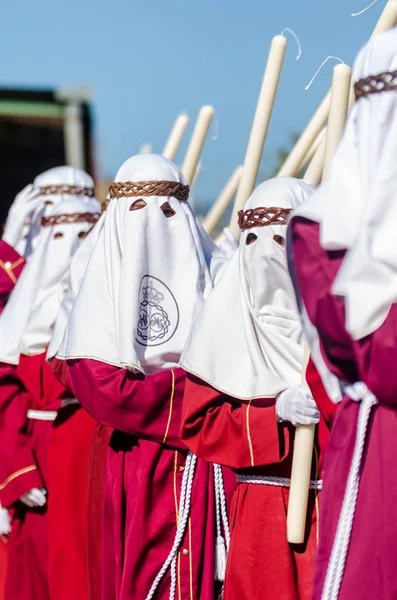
[
  {"x": 304, "y": 434},
  {"x": 315, "y": 170},
  {"x": 260, "y": 127},
  {"x": 221, "y": 204},
  {"x": 293, "y": 162},
  {"x": 340, "y": 93},
  {"x": 310, "y": 155},
  {"x": 176, "y": 136},
  {"x": 197, "y": 142}
]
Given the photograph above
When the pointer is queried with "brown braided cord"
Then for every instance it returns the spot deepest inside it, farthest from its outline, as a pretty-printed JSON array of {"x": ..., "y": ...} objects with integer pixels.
[
  {"x": 72, "y": 190},
  {"x": 374, "y": 84},
  {"x": 127, "y": 189},
  {"x": 261, "y": 217},
  {"x": 67, "y": 218}
]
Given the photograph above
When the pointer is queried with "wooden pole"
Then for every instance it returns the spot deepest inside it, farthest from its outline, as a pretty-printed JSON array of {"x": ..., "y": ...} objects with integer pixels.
[
  {"x": 221, "y": 204},
  {"x": 176, "y": 136},
  {"x": 315, "y": 169},
  {"x": 304, "y": 434},
  {"x": 340, "y": 93},
  {"x": 300, "y": 474},
  {"x": 293, "y": 162},
  {"x": 310, "y": 155},
  {"x": 197, "y": 140},
  {"x": 260, "y": 127}
]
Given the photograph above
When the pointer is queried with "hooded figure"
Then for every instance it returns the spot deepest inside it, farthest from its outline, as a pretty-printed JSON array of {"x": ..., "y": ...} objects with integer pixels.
[
  {"x": 343, "y": 262},
  {"x": 150, "y": 272},
  {"x": 29, "y": 394},
  {"x": 78, "y": 448},
  {"x": 244, "y": 360},
  {"x": 22, "y": 227}
]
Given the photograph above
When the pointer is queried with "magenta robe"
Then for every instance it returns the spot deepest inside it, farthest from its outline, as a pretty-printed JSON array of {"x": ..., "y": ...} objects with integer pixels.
[
  {"x": 145, "y": 464},
  {"x": 371, "y": 567},
  {"x": 11, "y": 266}
]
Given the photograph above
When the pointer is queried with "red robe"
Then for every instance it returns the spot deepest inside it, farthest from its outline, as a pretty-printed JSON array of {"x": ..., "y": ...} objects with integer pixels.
[
  {"x": 145, "y": 465},
  {"x": 96, "y": 490},
  {"x": 11, "y": 266},
  {"x": 370, "y": 570},
  {"x": 70, "y": 444},
  {"x": 247, "y": 437},
  {"x": 24, "y": 466}
]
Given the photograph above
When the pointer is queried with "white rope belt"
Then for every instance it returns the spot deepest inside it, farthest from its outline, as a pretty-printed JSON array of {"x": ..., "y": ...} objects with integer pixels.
[
  {"x": 315, "y": 484},
  {"x": 336, "y": 566},
  {"x": 42, "y": 415},
  {"x": 184, "y": 513}
]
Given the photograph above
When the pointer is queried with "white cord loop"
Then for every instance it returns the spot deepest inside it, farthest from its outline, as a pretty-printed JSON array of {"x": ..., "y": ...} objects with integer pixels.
[
  {"x": 292, "y": 32},
  {"x": 364, "y": 10},
  {"x": 359, "y": 393},
  {"x": 321, "y": 66},
  {"x": 222, "y": 525}
]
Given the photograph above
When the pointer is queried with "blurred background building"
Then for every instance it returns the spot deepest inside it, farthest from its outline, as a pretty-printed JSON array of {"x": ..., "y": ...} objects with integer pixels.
[{"x": 41, "y": 129}]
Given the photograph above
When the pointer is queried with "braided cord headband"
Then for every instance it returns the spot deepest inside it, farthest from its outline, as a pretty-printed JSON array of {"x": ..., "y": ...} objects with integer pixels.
[
  {"x": 261, "y": 217},
  {"x": 375, "y": 84},
  {"x": 72, "y": 190},
  {"x": 67, "y": 218},
  {"x": 129, "y": 189}
]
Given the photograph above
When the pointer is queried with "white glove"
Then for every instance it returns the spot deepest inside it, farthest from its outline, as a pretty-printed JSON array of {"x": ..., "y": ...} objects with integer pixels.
[
  {"x": 228, "y": 244},
  {"x": 5, "y": 523},
  {"x": 34, "y": 498},
  {"x": 283, "y": 320},
  {"x": 21, "y": 209},
  {"x": 297, "y": 406}
]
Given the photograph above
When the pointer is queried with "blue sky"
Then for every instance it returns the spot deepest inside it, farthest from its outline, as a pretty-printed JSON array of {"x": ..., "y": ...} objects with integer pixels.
[{"x": 149, "y": 60}]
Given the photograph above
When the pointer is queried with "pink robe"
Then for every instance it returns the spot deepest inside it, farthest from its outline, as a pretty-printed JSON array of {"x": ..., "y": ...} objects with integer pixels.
[
  {"x": 371, "y": 566},
  {"x": 145, "y": 465},
  {"x": 11, "y": 266}
]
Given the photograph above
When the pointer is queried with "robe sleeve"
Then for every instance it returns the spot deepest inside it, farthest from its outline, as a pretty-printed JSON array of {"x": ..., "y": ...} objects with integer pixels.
[
  {"x": 18, "y": 470},
  {"x": 11, "y": 266},
  {"x": 239, "y": 435},
  {"x": 371, "y": 359},
  {"x": 147, "y": 407},
  {"x": 315, "y": 271}
]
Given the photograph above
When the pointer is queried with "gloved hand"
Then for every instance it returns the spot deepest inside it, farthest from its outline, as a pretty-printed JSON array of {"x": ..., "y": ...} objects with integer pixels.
[
  {"x": 284, "y": 320},
  {"x": 5, "y": 523},
  {"x": 297, "y": 406},
  {"x": 228, "y": 244},
  {"x": 22, "y": 208},
  {"x": 34, "y": 498}
]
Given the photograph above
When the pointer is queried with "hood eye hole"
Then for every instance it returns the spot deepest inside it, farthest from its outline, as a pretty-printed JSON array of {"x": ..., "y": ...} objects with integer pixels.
[
  {"x": 138, "y": 204},
  {"x": 168, "y": 211},
  {"x": 251, "y": 239},
  {"x": 58, "y": 235},
  {"x": 48, "y": 203},
  {"x": 82, "y": 234},
  {"x": 279, "y": 240}
]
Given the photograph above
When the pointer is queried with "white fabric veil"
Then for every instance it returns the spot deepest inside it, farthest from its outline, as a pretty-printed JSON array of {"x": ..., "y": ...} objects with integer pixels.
[
  {"x": 53, "y": 185},
  {"x": 147, "y": 278},
  {"x": 247, "y": 341},
  {"x": 27, "y": 321},
  {"x": 77, "y": 270}
]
